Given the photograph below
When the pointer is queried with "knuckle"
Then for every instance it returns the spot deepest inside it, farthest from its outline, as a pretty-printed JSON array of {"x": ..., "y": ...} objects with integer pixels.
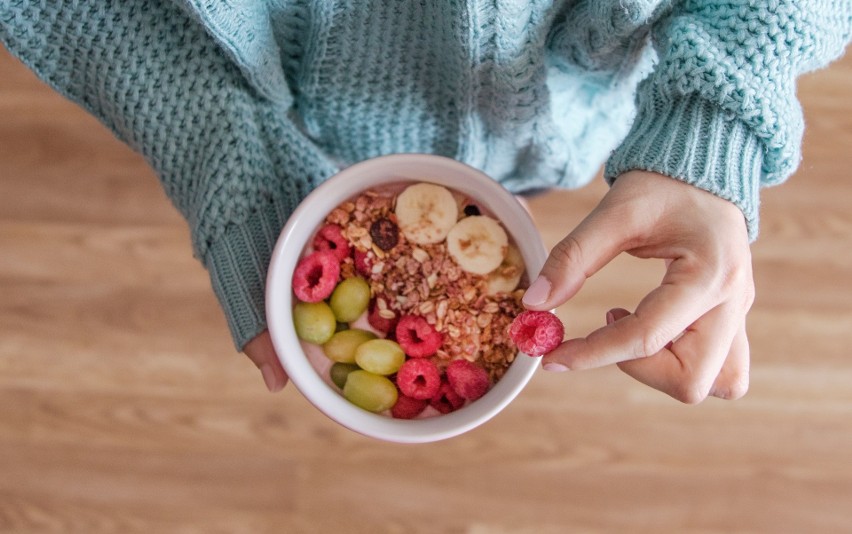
[
  {"x": 652, "y": 342},
  {"x": 692, "y": 388},
  {"x": 691, "y": 391},
  {"x": 737, "y": 279},
  {"x": 568, "y": 251},
  {"x": 749, "y": 295}
]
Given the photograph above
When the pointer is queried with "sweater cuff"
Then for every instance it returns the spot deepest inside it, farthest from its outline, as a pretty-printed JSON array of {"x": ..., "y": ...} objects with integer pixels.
[
  {"x": 694, "y": 141},
  {"x": 238, "y": 262}
]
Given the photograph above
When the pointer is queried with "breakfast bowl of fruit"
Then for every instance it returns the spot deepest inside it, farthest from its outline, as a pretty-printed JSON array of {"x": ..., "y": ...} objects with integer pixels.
[{"x": 391, "y": 294}]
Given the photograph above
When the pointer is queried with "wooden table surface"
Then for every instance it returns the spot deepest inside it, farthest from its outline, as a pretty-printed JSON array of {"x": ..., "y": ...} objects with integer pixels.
[{"x": 123, "y": 407}]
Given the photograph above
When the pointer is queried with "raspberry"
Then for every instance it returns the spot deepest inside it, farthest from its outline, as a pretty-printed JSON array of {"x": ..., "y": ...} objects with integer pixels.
[
  {"x": 363, "y": 263},
  {"x": 419, "y": 379},
  {"x": 380, "y": 323},
  {"x": 468, "y": 379},
  {"x": 446, "y": 400},
  {"x": 417, "y": 337},
  {"x": 316, "y": 276},
  {"x": 536, "y": 332},
  {"x": 385, "y": 233},
  {"x": 407, "y": 407},
  {"x": 330, "y": 237}
]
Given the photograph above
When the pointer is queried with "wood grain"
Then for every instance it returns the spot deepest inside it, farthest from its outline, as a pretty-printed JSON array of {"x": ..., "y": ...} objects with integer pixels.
[{"x": 124, "y": 409}]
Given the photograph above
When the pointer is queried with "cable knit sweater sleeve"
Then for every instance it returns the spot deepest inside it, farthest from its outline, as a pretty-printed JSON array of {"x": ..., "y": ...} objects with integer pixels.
[
  {"x": 150, "y": 72},
  {"x": 720, "y": 111}
]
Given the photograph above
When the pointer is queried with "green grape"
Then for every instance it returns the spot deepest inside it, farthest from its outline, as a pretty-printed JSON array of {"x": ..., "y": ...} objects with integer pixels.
[
  {"x": 380, "y": 356},
  {"x": 341, "y": 347},
  {"x": 314, "y": 321},
  {"x": 340, "y": 371},
  {"x": 372, "y": 392},
  {"x": 350, "y": 298}
]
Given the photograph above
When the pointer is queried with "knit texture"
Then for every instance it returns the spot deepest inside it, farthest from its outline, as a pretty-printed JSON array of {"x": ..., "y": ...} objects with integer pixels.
[
  {"x": 719, "y": 111},
  {"x": 243, "y": 106}
]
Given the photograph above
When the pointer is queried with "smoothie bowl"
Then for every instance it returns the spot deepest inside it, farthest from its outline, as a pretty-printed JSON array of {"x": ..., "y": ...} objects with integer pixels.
[{"x": 390, "y": 293}]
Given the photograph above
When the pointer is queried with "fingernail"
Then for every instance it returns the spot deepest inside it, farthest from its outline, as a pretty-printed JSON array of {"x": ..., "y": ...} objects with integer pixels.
[
  {"x": 538, "y": 292},
  {"x": 554, "y": 367},
  {"x": 610, "y": 318},
  {"x": 269, "y": 378}
]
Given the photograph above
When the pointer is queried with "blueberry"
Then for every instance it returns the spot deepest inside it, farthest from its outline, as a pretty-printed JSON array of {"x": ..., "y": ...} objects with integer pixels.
[{"x": 471, "y": 210}]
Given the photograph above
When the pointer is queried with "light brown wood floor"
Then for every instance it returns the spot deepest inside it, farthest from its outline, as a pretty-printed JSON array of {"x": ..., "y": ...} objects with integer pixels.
[{"x": 123, "y": 407}]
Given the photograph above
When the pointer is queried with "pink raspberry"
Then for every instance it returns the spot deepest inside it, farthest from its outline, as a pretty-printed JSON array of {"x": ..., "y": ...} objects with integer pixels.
[
  {"x": 315, "y": 276},
  {"x": 419, "y": 378},
  {"x": 330, "y": 237},
  {"x": 407, "y": 407},
  {"x": 446, "y": 400},
  {"x": 469, "y": 380},
  {"x": 536, "y": 332},
  {"x": 417, "y": 337},
  {"x": 363, "y": 263},
  {"x": 382, "y": 324}
]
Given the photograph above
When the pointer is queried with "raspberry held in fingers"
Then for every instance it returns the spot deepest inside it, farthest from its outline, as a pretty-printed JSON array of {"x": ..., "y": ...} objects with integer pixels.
[{"x": 536, "y": 332}]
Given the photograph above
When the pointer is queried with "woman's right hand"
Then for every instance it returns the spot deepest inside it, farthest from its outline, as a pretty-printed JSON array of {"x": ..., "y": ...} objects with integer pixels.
[{"x": 261, "y": 352}]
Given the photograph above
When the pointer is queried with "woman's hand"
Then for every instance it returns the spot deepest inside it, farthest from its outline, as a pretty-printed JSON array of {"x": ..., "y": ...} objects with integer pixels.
[
  {"x": 262, "y": 353},
  {"x": 687, "y": 337}
]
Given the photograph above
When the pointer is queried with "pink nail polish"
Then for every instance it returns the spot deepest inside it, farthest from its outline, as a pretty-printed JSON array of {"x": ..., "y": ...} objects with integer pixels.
[
  {"x": 610, "y": 318},
  {"x": 554, "y": 367},
  {"x": 538, "y": 292}
]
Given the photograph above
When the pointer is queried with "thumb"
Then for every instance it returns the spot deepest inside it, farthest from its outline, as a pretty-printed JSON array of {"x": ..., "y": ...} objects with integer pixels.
[
  {"x": 262, "y": 353},
  {"x": 593, "y": 244}
]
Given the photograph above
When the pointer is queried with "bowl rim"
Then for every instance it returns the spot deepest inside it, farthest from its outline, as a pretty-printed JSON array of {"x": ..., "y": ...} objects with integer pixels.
[{"x": 370, "y": 173}]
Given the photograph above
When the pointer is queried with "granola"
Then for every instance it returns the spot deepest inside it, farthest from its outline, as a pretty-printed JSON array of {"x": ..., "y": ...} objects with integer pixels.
[{"x": 425, "y": 280}]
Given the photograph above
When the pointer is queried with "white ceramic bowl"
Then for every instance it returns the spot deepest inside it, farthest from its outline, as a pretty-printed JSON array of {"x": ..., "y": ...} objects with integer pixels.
[{"x": 303, "y": 224}]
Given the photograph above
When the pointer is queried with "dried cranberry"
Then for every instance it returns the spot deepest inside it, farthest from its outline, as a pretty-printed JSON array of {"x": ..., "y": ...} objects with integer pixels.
[{"x": 385, "y": 233}]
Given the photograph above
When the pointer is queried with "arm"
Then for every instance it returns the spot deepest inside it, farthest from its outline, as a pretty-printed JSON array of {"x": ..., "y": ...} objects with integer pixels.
[
  {"x": 229, "y": 157},
  {"x": 720, "y": 111}
]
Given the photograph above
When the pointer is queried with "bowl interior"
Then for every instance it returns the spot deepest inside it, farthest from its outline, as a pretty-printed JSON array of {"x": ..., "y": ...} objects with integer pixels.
[{"x": 301, "y": 227}]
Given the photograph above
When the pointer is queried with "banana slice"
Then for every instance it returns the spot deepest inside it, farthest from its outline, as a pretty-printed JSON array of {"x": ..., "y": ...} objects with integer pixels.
[
  {"x": 478, "y": 244},
  {"x": 425, "y": 213},
  {"x": 506, "y": 277}
]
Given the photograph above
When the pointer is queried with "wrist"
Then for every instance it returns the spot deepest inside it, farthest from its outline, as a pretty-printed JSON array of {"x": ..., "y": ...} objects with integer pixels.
[
  {"x": 237, "y": 263},
  {"x": 696, "y": 142}
]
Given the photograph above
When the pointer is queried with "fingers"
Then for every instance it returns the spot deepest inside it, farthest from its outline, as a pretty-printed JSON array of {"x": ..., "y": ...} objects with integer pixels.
[
  {"x": 661, "y": 316},
  {"x": 689, "y": 369},
  {"x": 732, "y": 382},
  {"x": 261, "y": 352},
  {"x": 710, "y": 358}
]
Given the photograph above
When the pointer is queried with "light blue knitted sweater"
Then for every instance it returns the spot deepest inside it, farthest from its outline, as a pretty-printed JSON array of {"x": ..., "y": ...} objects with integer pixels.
[{"x": 243, "y": 106}]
